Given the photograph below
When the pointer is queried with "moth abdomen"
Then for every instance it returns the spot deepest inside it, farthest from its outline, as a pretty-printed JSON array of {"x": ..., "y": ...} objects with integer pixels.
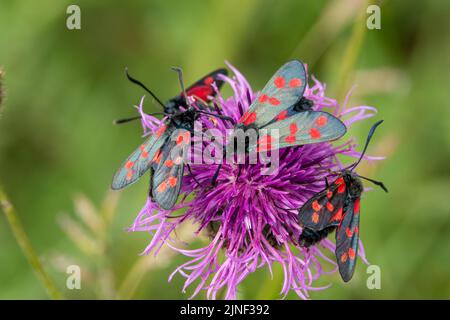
[{"x": 310, "y": 237}]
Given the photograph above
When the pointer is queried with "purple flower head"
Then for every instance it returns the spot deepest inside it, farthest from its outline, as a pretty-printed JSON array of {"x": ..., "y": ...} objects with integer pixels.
[{"x": 243, "y": 216}]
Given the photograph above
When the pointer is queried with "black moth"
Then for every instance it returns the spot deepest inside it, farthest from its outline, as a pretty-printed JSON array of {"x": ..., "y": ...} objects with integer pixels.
[
  {"x": 337, "y": 208},
  {"x": 164, "y": 151}
]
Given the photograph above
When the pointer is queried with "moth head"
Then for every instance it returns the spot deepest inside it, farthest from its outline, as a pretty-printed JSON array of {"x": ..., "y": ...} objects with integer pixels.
[{"x": 354, "y": 184}]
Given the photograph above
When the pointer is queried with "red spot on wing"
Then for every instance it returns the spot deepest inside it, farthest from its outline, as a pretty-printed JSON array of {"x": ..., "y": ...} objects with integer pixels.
[
  {"x": 316, "y": 206},
  {"x": 142, "y": 147},
  {"x": 321, "y": 121},
  {"x": 290, "y": 139},
  {"x": 157, "y": 156},
  {"x": 274, "y": 101},
  {"x": 314, "y": 133},
  {"x": 341, "y": 188},
  {"x": 160, "y": 131},
  {"x": 279, "y": 82},
  {"x": 180, "y": 139},
  {"x": 209, "y": 80},
  {"x": 339, "y": 181},
  {"x": 344, "y": 257},
  {"x": 330, "y": 207},
  {"x": 356, "y": 207},
  {"x": 172, "y": 181},
  {"x": 348, "y": 232},
  {"x": 162, "y": 187},
  {"x": 263, "y": 98},
  {"x": 295, "y": 82},
  {"x": 337, "y": 216},
  {"x": 282, "y": 115},
  {"x": 315, "y": 217},
  {"x": 244, "y": 117},
  {"x": 144, "y": 154},
  {"x": 356, "y": 230},
  {"x": 293, "y": 128},
  {"x": 250, "y": 118},
  {"x": 183, "y": 138},
  {"x": 129, "y": 164},
  {"x": 265, "y": 143},
  {"x": 168, "y": 163},
  {"x": 329, "y": 194},
  {"x": 351, "y": 253},
  {"x": 267, "y": 139},
  {"x": 200, "y": 92},
  {"x": 129, "y": 174}
]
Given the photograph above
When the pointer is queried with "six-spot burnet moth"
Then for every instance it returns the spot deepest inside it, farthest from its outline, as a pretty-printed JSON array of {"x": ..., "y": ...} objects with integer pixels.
[
  {"x": 281, "y": 106},
  {"x": 337, "y": 207},
  {"x": 163, "y": 152}
]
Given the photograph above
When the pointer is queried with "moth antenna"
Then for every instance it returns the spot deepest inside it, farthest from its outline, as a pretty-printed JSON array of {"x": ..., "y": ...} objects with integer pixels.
[
  {"x": 180, "y": 76},
  {"x": 140, "y": 84},
  {"x": 125, "y": 120},
  {"x": 369, "y": 137},
  {"x": 375, "y": 182},
  {"x": 327, "y": 170},
  {"x": 183, "y": 89}
]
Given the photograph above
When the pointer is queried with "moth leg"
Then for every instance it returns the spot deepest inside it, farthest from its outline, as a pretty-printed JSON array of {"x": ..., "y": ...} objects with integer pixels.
[
  {"x": 174, "y": 217},
  {"x": 216, "y": 174},
  {"x": 193, "y": 177},
  {"x": 327, "y": 185},
  {"x": 239, "y": 171},
  {"x": 218, "y": 116}
]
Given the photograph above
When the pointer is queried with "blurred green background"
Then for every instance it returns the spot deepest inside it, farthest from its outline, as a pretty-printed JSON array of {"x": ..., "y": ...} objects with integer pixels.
[{"x": 64, "y": 88}]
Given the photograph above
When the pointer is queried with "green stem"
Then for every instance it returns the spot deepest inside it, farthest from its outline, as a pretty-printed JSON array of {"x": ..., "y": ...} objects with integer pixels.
[{"x": 25, "y": 244}]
